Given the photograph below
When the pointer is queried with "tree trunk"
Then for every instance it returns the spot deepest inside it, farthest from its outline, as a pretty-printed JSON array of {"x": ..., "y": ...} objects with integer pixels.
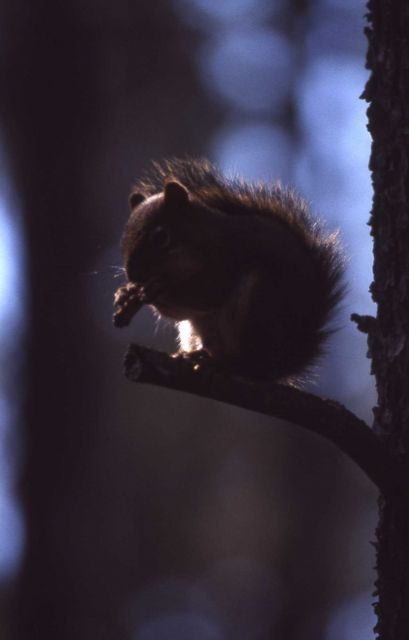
[{"x": 388, "y": 94}]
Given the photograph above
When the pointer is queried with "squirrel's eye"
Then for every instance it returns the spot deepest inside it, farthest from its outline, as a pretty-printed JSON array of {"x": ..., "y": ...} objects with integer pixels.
[{"x": 160, "y": 237}]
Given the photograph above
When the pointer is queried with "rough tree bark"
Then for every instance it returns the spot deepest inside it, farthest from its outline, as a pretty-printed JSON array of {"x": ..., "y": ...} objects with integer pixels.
[{"x": 388, "y": 94}]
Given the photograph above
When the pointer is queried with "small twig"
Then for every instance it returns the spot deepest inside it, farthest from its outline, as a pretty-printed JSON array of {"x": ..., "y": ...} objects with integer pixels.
[
  {"x": 365, "y": 324},
  {"x": 327, "y": 418}
]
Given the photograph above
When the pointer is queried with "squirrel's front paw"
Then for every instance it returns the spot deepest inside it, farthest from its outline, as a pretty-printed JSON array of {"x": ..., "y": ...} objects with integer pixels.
[{"x": 127, "y": 300}]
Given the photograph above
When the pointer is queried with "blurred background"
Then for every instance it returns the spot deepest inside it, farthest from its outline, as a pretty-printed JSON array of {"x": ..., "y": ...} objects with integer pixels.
[{"x": 132, "y": 512}]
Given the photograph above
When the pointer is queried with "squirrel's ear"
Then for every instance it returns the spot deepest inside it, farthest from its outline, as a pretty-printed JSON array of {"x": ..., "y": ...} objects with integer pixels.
[
  {"x": 135, "y": 199},
  {"x": 175, "y": 193}
]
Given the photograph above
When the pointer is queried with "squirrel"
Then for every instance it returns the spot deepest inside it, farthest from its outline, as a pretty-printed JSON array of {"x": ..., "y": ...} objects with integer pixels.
[{"x": 249, "y": 276}]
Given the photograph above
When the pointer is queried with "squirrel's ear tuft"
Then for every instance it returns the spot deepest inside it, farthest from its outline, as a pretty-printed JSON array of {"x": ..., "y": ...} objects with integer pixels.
[
  {"x": 135, "y": 199},
  {"x": 176, "y": 193}
]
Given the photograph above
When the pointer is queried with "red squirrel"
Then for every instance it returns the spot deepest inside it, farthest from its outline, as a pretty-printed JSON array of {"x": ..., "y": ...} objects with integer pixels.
[{"x": 248, "y": 276}]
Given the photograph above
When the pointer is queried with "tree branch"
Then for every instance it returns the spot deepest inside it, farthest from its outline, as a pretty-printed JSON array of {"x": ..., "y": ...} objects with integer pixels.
[{"x": 324, "y": 417}]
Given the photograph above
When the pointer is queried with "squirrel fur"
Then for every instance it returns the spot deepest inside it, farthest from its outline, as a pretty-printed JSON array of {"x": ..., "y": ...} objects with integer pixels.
[{"x": 251, "y": 279}]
